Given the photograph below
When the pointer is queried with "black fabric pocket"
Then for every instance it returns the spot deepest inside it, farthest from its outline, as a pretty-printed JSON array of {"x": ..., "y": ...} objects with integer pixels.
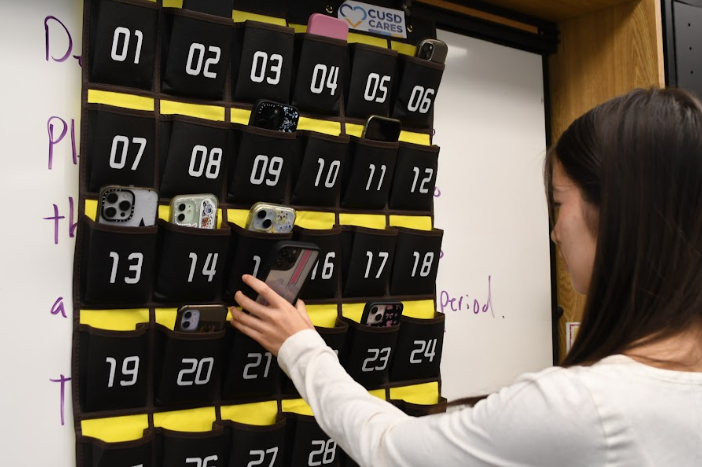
[
  {"x": 415, "y": 177},
  {"x": 248, "y": 253},
  {"x": 421, "y": 410},
  {"x": 370, "y": 81},
  {"x": 211, "y": 7},
  {"x": 367, "y": 258},
  {"x": 191, "y": 449},
  {"x": 324, "y": 280},
  {"x": 194, "y": 157},
  {"x": 122, "y": 148},
  {"x": 117, "y": 264},
  {"x": 198, "y": 50},
  {"x": 97, "y": 453},
  {"x": 320, "y": 70},
  {"x": 416, "y": 261},
  {"x": 266, "y": 63},
  {"x": 255, "y": 445},
  {"x": 320, "y": 174},
  {"x": 252, "y": 371},
  {"x": 124, "y": 45},
  {"x": 367, "y": 182},
  {"x": 263, "y": 166},
  {"x": 368, "y": 352},
  {"x": 307, "y": 444},
  {"x": 113, "y": 369},
  {"x": 417, "y": 90},
  {"x": 418, "y": 349},
  {"x": 187, "y": 366},
  {"x": 191, "y": 263}
]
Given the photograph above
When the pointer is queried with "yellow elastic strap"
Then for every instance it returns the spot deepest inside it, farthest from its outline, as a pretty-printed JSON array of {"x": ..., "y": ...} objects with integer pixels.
[
  {"x": 353, "y": 311},
  {"x": 315, "y": 220},
  {"x": 114, "y": 320},
  {"x": 240, "y": 116},
  {"x": 172, "y": 3},
  {"x": 237, "y": 216},
  {"x": 323, "y": 316},
  {"x": 166, "y": 317},
  {"x": 411, "y": 222},
  {"x": 327, "y": 127},
  {"x": 207, "y": 112},
  {"x": 370, "y": 40},
  {"x": 116, "y": 99},
  {"x": 372, "y": 221},
  {"x": 117, "y": 429},
  {"x": 164, "y": 212},
  {"x": 421, "y": 309},
  {"x": 241, "y": 16},
  {"x": 416, "y": 138},
  {"x": 91, "y": 206},
  {"x": 299, "y": 28},
  {"x": 259, "y": 413},
  {"x": 423, "y": 394},
  {"x": 379, "y": 393},
  {"x": 193, "y": 420},
  {"x": 354, "y": 130},
  {"x": 405, "y": 49},
  {"x": 296, "y": 406}
]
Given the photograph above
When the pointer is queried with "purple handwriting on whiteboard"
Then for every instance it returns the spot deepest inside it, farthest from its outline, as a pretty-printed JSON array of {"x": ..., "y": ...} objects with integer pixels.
[
  {"x": 53, "y": 25},
  {"x": 63, "y": 380},
  {"x": 57, "y": 128},
  {"x": 58, "y": 308},
  {"x": 57, "y": 218},
  {"x": 463, "y": 302}
]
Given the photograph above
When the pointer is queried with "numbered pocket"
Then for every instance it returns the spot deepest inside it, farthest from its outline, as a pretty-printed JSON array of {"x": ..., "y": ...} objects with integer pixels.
[
  {"x": 191, "y": 263},
  {"x": 195, "y": 156},
  {"x": 121, "y": 148},
  {"x": 416, "y": 262},
  {"x": 263, "y": 166},
  {"x": 324, "y": 280},
  {"x": 249, "y": 251},
  {"x": 307, "y": 444},
  {"x": 192, "y": 449},
  {"x": 370, "y": 81},
  {"x": 255, "y": 445},
  {"x": 319, "y": 176},
  {"x": 252, "y": 371},
  {"x": 187, "y": 366},
  {"x": 418, "y": 349},
  {"x": 367, "y": 258},
  {"x": 124, "y": 47},
  {"x": 415, "y": 177},
  {"x": 368, "y": 353},
  {"x": 421, "y": 410},
  {"x": 113, "y": 367},
  {"x": 417, "y": 90},
  {"x": 318, "y": 86},
  {"x": 198, "y": 54},
  {"x": 117, "y": 264},
  {"x": 367, "y": 183},
  {"x": 97, "y": 453},
  {"x": 266, "y": 63},
  {"x": 211, "y": 7}
]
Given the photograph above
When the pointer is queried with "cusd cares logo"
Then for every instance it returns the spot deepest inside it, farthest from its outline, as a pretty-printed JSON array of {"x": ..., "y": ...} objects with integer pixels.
[{"x": 382, "y": 21}]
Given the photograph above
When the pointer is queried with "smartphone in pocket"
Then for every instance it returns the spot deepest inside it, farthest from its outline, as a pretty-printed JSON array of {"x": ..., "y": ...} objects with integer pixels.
[
  {"x": 382, "y": 313},
  {"x": 200, "y": 318},
  {"x": 270, "y": 218},
  {"x": 328, "y": 26},
  {"x": 288, "y": 267},
  {"x": 274, "y": 116},
  {"x": 198, "y": 210},
  {"x": 382, "y": 128},
  {"x": 127, "y": 206},
  {"x": 433, "y": 50}
]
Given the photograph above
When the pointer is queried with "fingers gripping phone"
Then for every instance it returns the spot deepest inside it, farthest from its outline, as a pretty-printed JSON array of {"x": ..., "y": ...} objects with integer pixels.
[
  {"x": 289, "y": 266},
  {"x": 127, "y": 206},
  {"x": 323, "y": 25},
  {"x": 382, "y": 313},
  {"x": 382, "y": 128},
  {"x": 274, "y": 116},
  {"x": 270, "y": 218},
  {"x": 200, "y": 318},
  {"x": 433, "y": 50},
  {"x": 198, "y": 211}
]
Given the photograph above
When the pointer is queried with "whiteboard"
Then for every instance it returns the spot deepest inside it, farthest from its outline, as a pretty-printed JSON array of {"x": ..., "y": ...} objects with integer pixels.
[{"x": 490, "y": 125}]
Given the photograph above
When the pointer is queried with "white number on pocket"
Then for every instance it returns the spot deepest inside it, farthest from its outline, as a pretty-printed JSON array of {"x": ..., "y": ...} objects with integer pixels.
[
  {"x": 426, "y": 263},
  {"x": 121, "y": 56},
  {"x": 420, "y": 99},
  {"x": 130, "y": 368},
  {"x": 422, "y": 189},
  {"x": 319, "y": 76},
  {"x": 200, "y": 462},
  {"x": 135, "y": 268},
  {"x": 426, "y": 349},
  {"x": 208, "y": 270},
  {"x": 262, "y": 456},
  {"x": 372, "y": 174},
  {"x": 260, "y": 65},
  {"x": 327, "y": 269},
  {"x": 332, "y": 173},
  {"x": 118, "y": 159},
  {"x": 258, "y": 359},
  {"x": 383, "y": 255},
  {"x": 201, "y": 163},
  {"x": 374, "y": 84},
  {"x": 257, "y": 264},
  {"x": 262, "y": 167},
  {"x": 379, "y": 356},
  {"x": 196, "y": 56},
  {"x": 198, "y": 368},
  {"x": 327, "y": 452}
]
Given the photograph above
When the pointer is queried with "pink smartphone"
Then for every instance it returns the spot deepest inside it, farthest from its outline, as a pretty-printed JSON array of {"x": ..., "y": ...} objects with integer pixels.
[{"x": 328, "y": 26}]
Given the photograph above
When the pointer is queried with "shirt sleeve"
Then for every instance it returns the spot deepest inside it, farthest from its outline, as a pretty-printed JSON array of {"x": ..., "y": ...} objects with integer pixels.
[{"x": 546, "y": 418}]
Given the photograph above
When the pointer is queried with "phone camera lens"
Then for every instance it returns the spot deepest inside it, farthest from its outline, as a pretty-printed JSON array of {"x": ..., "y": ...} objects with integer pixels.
[
  {"x": 181, "y": 207},
  {"x": 185, "y": 324},
  {"x": 187, "y": 315},
  {"x": 125, "y": 205},
  {"x": 267, "y": 224},
  {"x": 181, "y": 217},
  {"x": 112, "y": 198},
  {"x": 374, "y": 309},
  {"x": 110, "y": 212},
  {"x": 262, "y": 214}
]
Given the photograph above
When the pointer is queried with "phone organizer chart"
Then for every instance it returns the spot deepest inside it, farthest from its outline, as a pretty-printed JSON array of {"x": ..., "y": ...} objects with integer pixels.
[{"x": 167, "y": 94}]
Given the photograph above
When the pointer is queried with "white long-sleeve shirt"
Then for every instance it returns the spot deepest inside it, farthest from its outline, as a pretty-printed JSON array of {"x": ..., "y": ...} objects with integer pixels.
[{"x": 617, "y": 412}]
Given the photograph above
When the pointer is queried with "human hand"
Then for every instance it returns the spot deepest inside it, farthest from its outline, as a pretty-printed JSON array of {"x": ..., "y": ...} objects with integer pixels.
[{"x": 268, "y": 325}]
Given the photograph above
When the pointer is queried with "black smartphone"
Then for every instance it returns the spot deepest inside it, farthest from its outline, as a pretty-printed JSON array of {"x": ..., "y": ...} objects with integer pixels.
[
  {"x": 274, "y": 116},
  {"x": 382, "y": 313},
  {"x": 382, "y": 128},
  {"x": 200, "y": 318},
  {"x": 288, "y": 267},
  {"x": 433, "y": 50}
]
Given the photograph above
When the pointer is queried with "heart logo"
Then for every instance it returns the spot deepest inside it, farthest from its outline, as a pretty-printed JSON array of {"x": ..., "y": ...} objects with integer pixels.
[{"x": 352, "y": 15}]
